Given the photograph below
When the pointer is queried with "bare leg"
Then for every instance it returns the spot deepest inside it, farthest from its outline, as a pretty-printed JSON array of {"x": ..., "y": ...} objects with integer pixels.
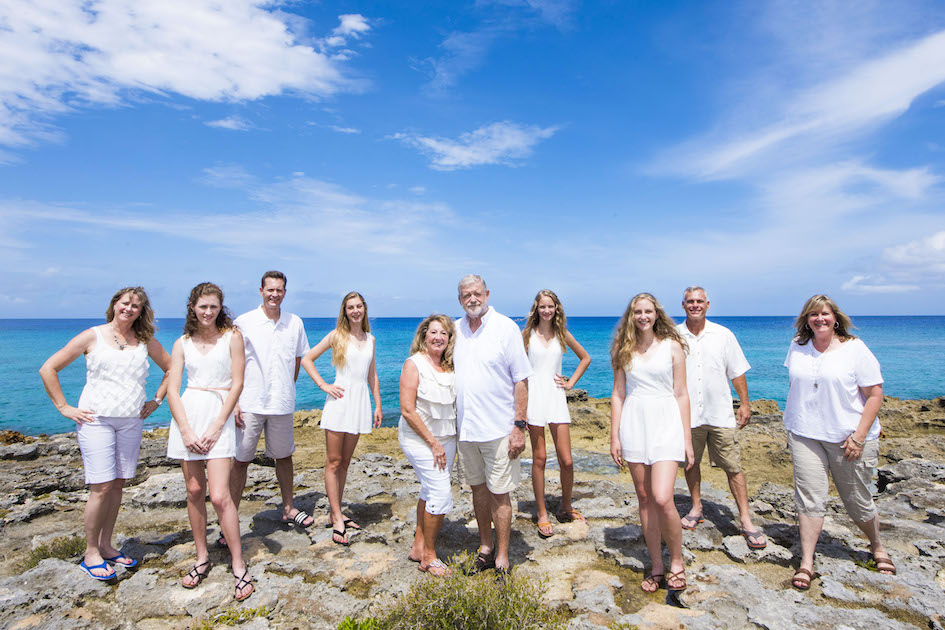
[
  {"x": 694, "y": 481},
  {"x": 662, "y": 480},
  {"x": 285, "y": 475},
  {"x": 539, "y": 456},
  {"x": 871, "y": 529},
  {"x": 482, "y": 506},
  {"x": 195, "y": 479},
  {"x": 218, "y": 474},
  {"x": 111, "y": 516},
  {"x": 339, "y": 448},
  {"x": 238, "y": 481},
  {"x": 96, "y": 511},
  {"x": 649, "y": 518},
  {"x": 431, "y": 529},
  {"x": 739, "y": 488},
  {"x": 561, "y": 434},
  {"x": 502, "y": 519},
  {"x": 810, "y": 528},
  {"x": 419, "y": 537}
]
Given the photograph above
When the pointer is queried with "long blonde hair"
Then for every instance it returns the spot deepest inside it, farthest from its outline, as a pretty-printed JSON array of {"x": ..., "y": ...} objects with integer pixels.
[
  {"x": 419, "y": 339},
  {"x": 625, "y": 336},
  {"x": 559, "y": 323},
  {"x": 841, "y": 329},
  {"x": 342, "y": 332}
]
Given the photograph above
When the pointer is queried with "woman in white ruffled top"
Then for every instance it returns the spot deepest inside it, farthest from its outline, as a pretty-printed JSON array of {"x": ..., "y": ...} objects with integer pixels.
[
  {"x": 547, "y": 338},
  {"x": 111, "y": 410},
  {"x": 427, "y": 431}
]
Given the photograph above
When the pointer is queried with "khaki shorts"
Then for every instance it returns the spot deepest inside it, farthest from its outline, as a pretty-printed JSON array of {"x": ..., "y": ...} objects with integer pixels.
[
  {"x": 280, "y": 436},
  {"x": 723, "y": 447},
  {"x": 814, "y": 460},
  {"x": 488, "y": 463}
]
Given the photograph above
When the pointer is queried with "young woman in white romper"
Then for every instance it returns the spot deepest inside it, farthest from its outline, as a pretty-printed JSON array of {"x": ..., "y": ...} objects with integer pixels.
[
  {"x": 203, "y": 433},
  {"x": 649, "y": 427},
  {"x": 109, "y": 417},
  {"x": 546, "y": 338},
  {"x": 347, "y": 412}
]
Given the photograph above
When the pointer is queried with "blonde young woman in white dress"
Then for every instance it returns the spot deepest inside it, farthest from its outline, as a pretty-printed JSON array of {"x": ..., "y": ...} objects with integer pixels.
[
  {"x": 347, "y": 412},
  {"x": 649, "y": 427},
  {"x": 203, "y": 433},
  {"x": 110, "y": 413},
  {"x": 547, "y": 338}
]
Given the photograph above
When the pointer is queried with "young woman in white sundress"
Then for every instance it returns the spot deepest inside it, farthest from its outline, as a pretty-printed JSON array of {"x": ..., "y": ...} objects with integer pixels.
[
  {"x": 547, "y": 339},
  {"x": 347, "y": 412},
  {"x": 203, "y": 433},
  {"x": 649, "y": 427}
]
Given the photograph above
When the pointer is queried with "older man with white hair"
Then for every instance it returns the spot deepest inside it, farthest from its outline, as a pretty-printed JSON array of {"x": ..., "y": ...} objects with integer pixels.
[
  {"x": 714, "y": 359},
  {"x": 492, "y": 369}
]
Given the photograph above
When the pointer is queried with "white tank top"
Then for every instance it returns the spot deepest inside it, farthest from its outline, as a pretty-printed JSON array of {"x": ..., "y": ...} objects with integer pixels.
[{"x": 114, "y": 381}]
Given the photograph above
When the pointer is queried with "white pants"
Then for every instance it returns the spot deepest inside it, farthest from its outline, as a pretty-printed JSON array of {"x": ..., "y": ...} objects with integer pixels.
[
  {"x": 110, "y": 448},
  {"x": 434, "y": 483}
]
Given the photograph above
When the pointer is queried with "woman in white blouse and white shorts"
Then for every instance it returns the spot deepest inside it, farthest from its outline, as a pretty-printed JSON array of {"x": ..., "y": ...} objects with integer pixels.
[
  {"x": 830, "y": 416},
  {"x": 427, "y": 431},
  {"x": 110, "y": 413}
]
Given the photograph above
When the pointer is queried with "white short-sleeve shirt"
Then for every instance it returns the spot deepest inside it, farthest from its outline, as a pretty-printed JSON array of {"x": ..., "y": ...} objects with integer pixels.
[
  {"x": 488, "y": 363},
  {"x": 831, "y": 411},
  {"x": 714, "y": 359},
  {"x": 271, "y": 351}
]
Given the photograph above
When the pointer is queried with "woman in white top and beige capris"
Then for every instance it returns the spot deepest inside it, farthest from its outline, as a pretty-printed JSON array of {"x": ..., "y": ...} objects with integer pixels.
[{"x": 427, "y": 431}]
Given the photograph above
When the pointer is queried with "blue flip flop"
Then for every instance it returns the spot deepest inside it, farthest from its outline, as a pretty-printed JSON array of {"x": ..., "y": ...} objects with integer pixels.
[
  {"x": 121, "y": 556},
  {"x": 103, "y": 578}
]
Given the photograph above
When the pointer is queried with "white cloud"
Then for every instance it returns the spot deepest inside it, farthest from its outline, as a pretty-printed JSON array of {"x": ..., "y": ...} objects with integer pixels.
[
  {"x": 462, "y": 53},
  {"x": 819, "y": 117},
  {"x": 555, "y": 12},
  {"x": 418, "y": 190},
  {"x": 499, "y": 143},
  {"x": 352, "y": 130},
  {"x": 925, "y": 254},
  {"x": 233, "y": 123},
  {"x": 59, "y": 56},
  {"x": 352, "y": 25},
  {"x": 871, "y": 284}
]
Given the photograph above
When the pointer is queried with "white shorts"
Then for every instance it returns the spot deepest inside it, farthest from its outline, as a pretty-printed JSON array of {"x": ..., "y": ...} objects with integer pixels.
[
  {"x": 280, "y": 436},
  {"x": 434, "y": 483},
  {"x": 489, "y": 463},
  {"x": 110, "y": 448}
]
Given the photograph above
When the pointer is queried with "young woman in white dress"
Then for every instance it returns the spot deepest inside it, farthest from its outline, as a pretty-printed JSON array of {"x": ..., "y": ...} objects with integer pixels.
[
  {"x": 546, "y": 340},
  {"x": 427, "y": 432},
  {"x": 203, "y": 433},
  {"x": 347, "y": 412},
  {"x": 110, "y": 413},
  {"x": 649, "y": 427}
]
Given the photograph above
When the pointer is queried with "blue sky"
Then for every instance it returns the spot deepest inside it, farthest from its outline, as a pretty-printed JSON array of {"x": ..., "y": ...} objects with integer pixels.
[{"x": 767, "y": 150}]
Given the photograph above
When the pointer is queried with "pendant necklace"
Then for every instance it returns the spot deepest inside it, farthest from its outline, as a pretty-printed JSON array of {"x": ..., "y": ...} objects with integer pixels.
[{"x": 121, "y": 346}]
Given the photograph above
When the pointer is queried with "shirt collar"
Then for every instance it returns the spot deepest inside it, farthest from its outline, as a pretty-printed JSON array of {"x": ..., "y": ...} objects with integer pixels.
[
  {"x": 265, "y": 318},
  {"x": 485, "y": 320}
]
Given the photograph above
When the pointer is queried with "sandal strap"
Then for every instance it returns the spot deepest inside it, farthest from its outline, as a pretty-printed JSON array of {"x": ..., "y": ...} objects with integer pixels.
[
  {"x": 241, "y": 581},
  {"x": 809, "y": 574},
  {"x": 300, "y": 517},
  {"x": 195, "y": 570}
]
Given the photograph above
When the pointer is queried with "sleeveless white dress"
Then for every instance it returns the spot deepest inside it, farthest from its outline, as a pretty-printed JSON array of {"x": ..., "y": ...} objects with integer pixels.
[
  {"x": 115, "y": 379},
  {"x": 650, "y": 424},
  {"x": 352, "y": 412},
  {"x": 209, "y": 378},
  {"x": 546, "y": 401}
]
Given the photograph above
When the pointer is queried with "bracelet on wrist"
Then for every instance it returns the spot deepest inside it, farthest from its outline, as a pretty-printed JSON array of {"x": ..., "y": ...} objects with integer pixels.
[
  {"x": 157, "y": 401},
  {"x": 853, "y": 439}
]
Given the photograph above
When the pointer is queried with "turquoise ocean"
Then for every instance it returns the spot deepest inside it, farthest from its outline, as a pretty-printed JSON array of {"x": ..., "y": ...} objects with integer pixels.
[{"x": 911, "y": 351}]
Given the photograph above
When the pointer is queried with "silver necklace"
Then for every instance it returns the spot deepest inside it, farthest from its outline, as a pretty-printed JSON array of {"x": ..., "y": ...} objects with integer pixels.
[{"x": 121, "y": 346}]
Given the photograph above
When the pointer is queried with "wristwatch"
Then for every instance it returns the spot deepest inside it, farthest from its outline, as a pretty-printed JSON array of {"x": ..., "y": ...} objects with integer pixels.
[{"x": 520, "y": 424}]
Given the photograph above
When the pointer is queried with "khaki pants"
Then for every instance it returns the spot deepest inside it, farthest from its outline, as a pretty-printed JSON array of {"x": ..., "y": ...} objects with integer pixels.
[{"x": 814, "y": 460}]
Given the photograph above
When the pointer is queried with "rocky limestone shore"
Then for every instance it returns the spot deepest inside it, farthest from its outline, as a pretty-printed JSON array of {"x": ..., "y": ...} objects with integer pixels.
[{"x": 593, "y": 571}]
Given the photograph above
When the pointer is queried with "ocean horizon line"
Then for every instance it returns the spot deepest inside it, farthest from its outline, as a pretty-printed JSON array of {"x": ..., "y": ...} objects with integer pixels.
[{"x": 333, "y": 317}]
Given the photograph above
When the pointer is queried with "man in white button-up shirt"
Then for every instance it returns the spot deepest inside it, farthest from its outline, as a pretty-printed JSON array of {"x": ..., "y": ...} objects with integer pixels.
[
  {"x": 275, "y": 343},
  {"x": 714, "y": 359},
  {"x": 492, "y": 369}
]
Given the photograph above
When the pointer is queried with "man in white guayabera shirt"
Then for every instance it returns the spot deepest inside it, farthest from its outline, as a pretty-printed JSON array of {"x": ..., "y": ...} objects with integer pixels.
[
  {"x": 275, "y": 343},
  {"x": 491, "y": 399},
  {"x": 714, "y": 359}
]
